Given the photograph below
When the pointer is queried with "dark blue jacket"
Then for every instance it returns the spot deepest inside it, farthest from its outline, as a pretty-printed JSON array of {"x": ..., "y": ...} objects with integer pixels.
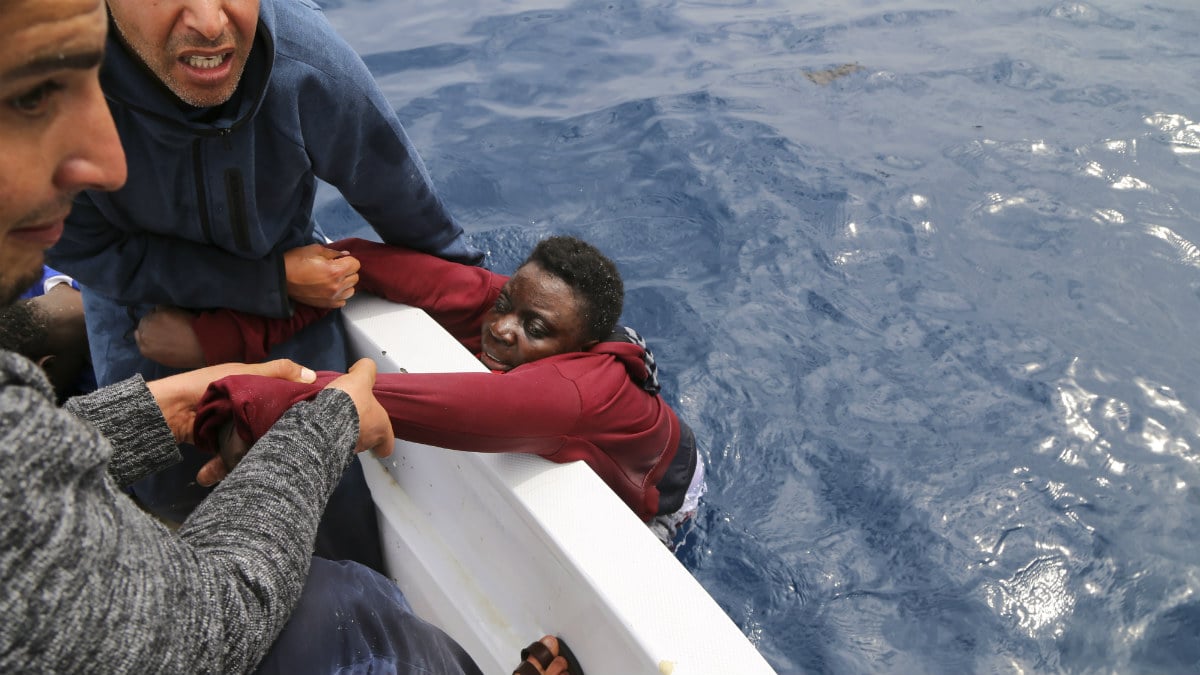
[{"x": 216, "y": 196}]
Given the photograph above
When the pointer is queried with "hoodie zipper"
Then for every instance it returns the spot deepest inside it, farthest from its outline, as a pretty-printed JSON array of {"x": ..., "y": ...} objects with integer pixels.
[
  {"x": 201, "y": 192},
  {"x": 235, "y": 197}
]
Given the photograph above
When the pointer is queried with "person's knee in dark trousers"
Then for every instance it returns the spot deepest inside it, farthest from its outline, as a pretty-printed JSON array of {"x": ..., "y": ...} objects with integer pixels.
[{"x": 351, "y": 620}]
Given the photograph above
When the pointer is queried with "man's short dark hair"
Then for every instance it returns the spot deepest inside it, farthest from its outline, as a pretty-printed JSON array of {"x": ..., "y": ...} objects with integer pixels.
[
  {"x": 23, "y": 329},
  {"x": 591, "y": 274}
]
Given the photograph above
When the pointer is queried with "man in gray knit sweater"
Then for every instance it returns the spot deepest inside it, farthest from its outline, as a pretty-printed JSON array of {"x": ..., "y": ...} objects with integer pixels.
[{"x": 88, "y": 582}]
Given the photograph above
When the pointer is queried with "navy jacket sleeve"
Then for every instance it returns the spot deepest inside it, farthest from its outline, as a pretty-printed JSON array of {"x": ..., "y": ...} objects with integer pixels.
[
  {"x": 138, "y": 266},
  {"x": 360, "y": 148},
  {"x": 456, "y": 296}
]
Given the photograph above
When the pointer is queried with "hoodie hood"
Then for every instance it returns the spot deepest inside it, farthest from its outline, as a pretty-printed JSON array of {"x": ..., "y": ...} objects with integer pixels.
[{"x": 630, "y": 349}]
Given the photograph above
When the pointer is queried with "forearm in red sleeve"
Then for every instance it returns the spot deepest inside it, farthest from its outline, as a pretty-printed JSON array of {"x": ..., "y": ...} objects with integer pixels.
[
  {"x": 528, "y": 411},
  {"x": 227, "y": 335},
  {"x": 455, "y": 295},
  {"x": 531, "y": 410}
]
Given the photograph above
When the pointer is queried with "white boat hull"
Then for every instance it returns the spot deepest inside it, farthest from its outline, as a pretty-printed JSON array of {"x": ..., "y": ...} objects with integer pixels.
[{"x": 501, "y": 549}]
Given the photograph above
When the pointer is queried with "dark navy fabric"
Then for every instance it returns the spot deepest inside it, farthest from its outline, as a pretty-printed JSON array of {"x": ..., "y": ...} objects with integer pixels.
[
  {"x": 627, "y": 334},
  {"x": 233, "y": 191},
  {"x": 351, "y": 621},
  {"x": 215, "y": 198}
]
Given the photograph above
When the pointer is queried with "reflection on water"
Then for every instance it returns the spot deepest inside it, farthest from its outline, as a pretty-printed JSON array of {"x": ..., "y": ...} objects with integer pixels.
[
  {"x": 1183, "y": 133},
  {"x": 1036, "y": 598},
  {"x": 923, "y": 278}
]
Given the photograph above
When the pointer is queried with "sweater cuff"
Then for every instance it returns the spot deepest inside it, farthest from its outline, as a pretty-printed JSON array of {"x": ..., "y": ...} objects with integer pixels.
[
  {"x": 317, "y": 438},
  {"x": 127, "y": 415}
]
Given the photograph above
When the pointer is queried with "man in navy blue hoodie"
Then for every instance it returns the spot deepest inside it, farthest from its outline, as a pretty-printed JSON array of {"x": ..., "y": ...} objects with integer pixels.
[{"x": 229, "y": 110}]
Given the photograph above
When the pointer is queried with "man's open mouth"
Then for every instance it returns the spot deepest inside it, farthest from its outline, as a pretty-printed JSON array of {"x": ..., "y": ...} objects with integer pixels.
[{"x": 206, "y": 62}]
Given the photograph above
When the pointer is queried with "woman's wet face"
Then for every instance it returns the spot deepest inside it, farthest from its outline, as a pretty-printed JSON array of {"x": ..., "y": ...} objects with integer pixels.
[{"x": 537, "y": 315}]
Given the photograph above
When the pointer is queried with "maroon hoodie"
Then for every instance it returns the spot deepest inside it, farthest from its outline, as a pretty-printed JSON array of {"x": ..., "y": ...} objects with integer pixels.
[{"x": 588, "y": 406}]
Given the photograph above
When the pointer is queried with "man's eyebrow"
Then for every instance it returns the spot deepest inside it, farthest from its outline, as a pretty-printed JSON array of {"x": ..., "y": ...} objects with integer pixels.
[{"x": 53, "y": 63}]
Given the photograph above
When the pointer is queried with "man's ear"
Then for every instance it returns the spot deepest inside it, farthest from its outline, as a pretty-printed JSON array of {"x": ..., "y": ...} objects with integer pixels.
[{"x": 44, "y": 361}]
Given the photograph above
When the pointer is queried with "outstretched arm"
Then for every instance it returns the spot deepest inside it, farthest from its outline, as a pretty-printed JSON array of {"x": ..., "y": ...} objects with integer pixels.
[
  {"x": 530, "y": 409},
  {"x": 454, "y": 295},
  {"x": 181, "y": 339}
]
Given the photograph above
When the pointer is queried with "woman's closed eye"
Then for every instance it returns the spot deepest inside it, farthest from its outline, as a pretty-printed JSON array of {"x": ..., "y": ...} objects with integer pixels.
[{"x": 536, "y": 330}]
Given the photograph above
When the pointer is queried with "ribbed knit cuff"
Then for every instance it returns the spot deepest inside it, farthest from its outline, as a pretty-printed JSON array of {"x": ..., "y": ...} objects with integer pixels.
[{"x": 128, "y": 416}]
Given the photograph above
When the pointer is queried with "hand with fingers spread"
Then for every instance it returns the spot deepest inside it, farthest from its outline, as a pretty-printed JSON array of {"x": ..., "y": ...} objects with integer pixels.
[{"x": 320, "y": 276}]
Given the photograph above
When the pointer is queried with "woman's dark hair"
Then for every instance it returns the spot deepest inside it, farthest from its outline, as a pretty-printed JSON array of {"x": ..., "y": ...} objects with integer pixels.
[{"x": 592, "y": 275}]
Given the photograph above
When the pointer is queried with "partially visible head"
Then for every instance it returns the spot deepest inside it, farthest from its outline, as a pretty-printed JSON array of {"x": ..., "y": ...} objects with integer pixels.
[
  {"x": 197, "y": 48},
  {"x": 565, "y": 297},
  {"x": 49, "y": 330},
  {"x": 56, "y": 133},
  {"x": 590, "y": 274}
]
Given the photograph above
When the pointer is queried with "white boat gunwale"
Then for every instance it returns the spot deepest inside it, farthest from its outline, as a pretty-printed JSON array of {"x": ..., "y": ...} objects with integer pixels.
[{"x": 498, "y": 549}]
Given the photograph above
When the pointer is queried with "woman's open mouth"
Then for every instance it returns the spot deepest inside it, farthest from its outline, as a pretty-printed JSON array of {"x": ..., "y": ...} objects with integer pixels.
[{"x": 491, "y": 361}]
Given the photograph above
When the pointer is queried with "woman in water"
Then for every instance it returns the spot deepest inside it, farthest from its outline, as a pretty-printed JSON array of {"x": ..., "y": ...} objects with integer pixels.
[{"x": 566, "y": 381}]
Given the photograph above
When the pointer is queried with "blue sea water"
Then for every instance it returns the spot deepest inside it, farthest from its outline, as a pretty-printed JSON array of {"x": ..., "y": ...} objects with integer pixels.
[{"x": 923, "y": 275}]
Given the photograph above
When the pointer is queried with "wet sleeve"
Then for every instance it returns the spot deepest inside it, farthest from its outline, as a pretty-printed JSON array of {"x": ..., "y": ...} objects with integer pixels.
[
  {"x": 227, "y": 336},
  {"x": 253, "y": 403},
  {"x": 529, "y": 410},
  {"x": 456, "y": 296}
]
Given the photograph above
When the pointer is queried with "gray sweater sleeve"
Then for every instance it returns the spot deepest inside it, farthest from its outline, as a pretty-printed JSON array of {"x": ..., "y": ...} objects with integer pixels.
[
  {"x": 93, "y": 584},
  {"x": 134, "y": 426}
]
